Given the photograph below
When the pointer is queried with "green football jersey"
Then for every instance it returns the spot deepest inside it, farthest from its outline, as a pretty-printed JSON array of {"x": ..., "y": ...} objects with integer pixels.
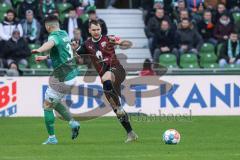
[{"x": 61, "y": 54}]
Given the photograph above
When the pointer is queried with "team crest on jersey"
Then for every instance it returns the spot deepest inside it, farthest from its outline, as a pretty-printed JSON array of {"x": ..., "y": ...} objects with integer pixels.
[
  {"x": 103, "y": 44},
  {"x": 90, "y": 47}
]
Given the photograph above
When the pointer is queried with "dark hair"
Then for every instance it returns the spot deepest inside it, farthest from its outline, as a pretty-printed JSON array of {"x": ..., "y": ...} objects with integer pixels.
[
  {"x": 94, "y": 22},
  {"x": 147, "y": 64},
  {"x": 11, "y": 11},
  {"x": 91, "y": 12},
  {"x": 221, "y": 4},
  {"x": 207, "y": 11},
  {"x": 71, "y": 9},
  {"x": 234, "y": 31},
  {"x": 51, "y": 18}
]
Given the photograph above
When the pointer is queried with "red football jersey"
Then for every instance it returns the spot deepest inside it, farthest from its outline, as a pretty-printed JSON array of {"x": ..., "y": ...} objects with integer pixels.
[{"x": 101, "y": 52}]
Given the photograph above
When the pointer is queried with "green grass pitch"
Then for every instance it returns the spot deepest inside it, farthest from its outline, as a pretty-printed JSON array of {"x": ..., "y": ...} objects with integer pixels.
[{"x": 202, "y": 138}]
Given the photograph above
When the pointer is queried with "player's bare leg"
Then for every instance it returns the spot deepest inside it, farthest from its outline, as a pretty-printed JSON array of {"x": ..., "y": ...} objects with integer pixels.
[{"x": 113, "y": 98}]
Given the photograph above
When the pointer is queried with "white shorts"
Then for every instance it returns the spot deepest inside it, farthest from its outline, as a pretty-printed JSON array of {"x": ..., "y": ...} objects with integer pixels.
[{"x": 54, "y": 96}]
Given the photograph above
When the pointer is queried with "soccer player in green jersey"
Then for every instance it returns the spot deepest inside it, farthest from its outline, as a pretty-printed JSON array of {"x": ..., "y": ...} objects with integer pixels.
[{"x": 62, "y": 58}]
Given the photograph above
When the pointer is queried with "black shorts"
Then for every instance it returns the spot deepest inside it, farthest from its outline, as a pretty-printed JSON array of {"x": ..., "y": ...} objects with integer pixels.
[{"x": 120, "y": 75}]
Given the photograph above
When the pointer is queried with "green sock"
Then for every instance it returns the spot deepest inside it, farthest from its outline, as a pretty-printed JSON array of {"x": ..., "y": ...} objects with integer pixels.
[
  {"x": 62, "y": 110},
  {"x": 49, "y": 121}
]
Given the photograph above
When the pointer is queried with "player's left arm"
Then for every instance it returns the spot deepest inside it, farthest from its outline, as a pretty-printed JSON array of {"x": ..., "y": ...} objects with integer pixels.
[
  {"x": 45, "y": 47},
  {"x": 123, "y": 44}
]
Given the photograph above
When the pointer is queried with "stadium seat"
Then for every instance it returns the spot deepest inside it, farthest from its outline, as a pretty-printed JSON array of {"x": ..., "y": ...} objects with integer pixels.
[
  {"x": 21, "y": 66},
  {"x": 31, "y": 60},
  {"x": 63, "y": 7},
  {"x": 236, "y": 17},
  {"x": 168, "y": 60},
  {"x": 206, "y": 48},
  {"x": 41, "y": 65},
  {"x": 219, "y": 49},
  {"x": 16, "y": 2},
  {"x": 189, "y": 60},
  {"x": 208, "y": 58},
  {"x": 33, "y": 46},
  {"x": 84, "y": 17},
  {"x": 233, "y": 66},
  {"x": 210, "y": 65},
  {"x": 63, "y": 16},
  {"x": 3, "y": 9}
]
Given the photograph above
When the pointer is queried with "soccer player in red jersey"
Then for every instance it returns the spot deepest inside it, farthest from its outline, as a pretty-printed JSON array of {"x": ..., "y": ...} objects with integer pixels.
[{"x": 102, "y": 54}]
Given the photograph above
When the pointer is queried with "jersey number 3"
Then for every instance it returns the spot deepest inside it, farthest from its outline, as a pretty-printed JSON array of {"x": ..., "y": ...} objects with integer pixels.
[{"x": 70, "y": 52}]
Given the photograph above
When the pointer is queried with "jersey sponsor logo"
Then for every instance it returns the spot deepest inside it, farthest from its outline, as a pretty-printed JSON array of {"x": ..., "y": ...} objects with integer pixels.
[
  {"x": 8, "y": 98},
  {"x": 99, "y": 55},
  {"x": 90, "y": 47},
  {"x": 104, "y": 44}
]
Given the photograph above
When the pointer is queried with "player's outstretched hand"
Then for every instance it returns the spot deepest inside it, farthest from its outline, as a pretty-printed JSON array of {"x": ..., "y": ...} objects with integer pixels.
[
  {"x": 125, "y": 44},
  {"x": 40, "y": 58},
  {"x": 35, "y": 51}
]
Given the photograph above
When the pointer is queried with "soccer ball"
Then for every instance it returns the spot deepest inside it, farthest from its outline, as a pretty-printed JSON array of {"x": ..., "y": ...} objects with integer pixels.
[{"x": 171, "y": 136}]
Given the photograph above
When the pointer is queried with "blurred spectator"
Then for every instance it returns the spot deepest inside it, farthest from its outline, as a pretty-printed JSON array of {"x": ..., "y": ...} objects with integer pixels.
[
  {"x": 43, "y": 35},
  {"x": 188, "y": 39},
  {"x": 16, "y": 49},
  {"x": 221, "y": 9},
  {"x": 147, "y": 69},
  {"x": 31, "y": 27},
  {"x": 164, "y": 40},
  {"x": 77, "y": 36},
  {"x": 72, "y": 22},
  {"x": 230, "y": 51},
  {"x": 8, "y": 25},
  {"x": 232, "y": 4},
  {"x": 13, "y": 70},
  {"x": 47, "y": 7},
  {"x": 206, "y": 28},
  {"x": 181, "y": 5},
  {"x": 27, "y": 5},
  {"x": 167, "y": 5},
  {"x": 147, "y": 5},
  {"x": 83, "y": 59},
  {"x": 198, "y": 14},
  {"x": 153, "y": 25},
  {"x": 152, "y": 12},
  {"x": 223, "y": 28},
  {"x": 93, "y": 16},
  {"x": 193, "y": 5},
  {"x": 212, "y": 4},
  {"x": 184, "y": 14}
]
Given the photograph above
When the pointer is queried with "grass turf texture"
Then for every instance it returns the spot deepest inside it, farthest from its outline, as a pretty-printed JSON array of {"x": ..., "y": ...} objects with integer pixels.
[{"x": 208, "y": 138}]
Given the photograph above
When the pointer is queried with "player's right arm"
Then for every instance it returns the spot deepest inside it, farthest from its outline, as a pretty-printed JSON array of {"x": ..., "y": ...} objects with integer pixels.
[{"x": 45, "y": 47}]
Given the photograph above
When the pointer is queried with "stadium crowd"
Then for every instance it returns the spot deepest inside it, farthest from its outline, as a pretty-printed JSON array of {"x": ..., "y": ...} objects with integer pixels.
[
  {"x": 186, "y": 29},
  {"x": 21, "y": 27},
  {"x": 173, "y": 28}
]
